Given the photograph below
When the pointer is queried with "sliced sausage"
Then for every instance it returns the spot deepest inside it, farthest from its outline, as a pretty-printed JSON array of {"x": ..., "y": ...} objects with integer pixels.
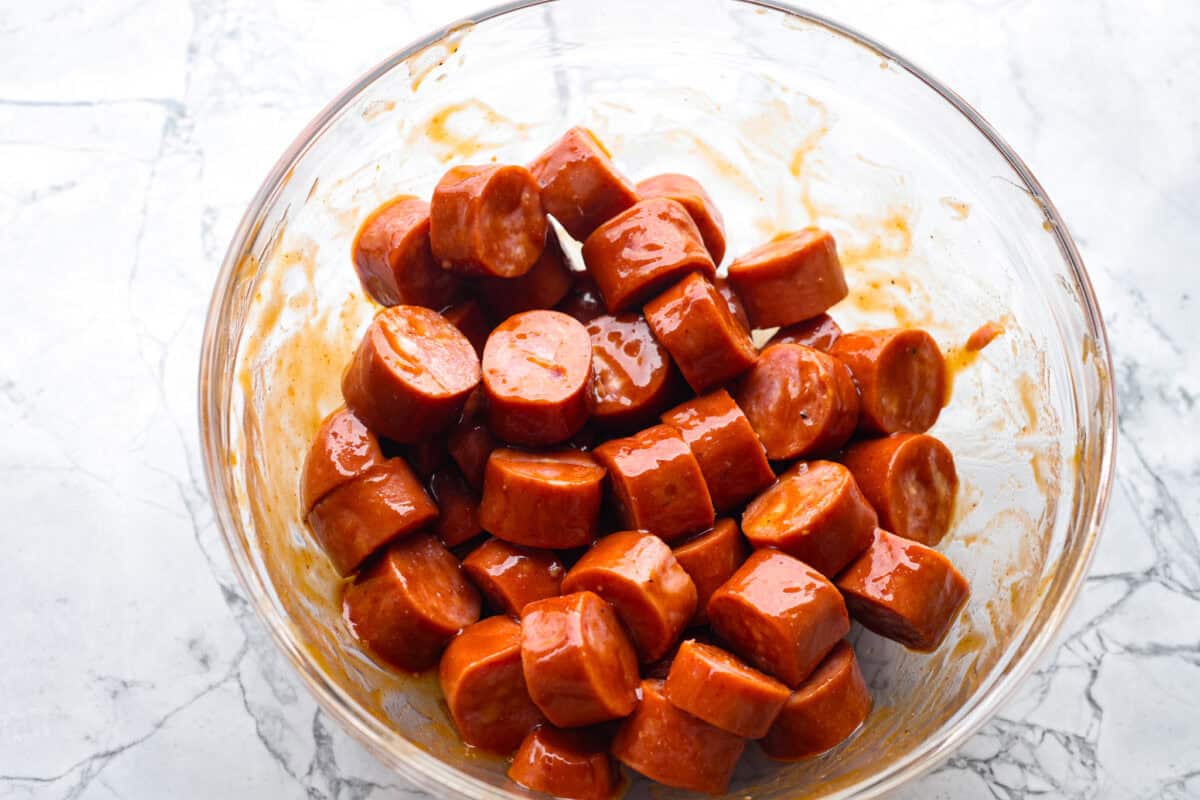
[
  {"x": 409, "y": 602},
  {"x": 484, "y": 686},
  {"x": 640, "y": 252},
  {"x": 673, "y": 747},
  {"x": 733, "y": 302},
  {"x": 693, "y": 322},
  {"x": 823, "y": 711},
  {"x": 815, "y": 513},
  {"x": 779, "y": 614},
  {"x": 657, "y": 484},
  {"x": 730, "y": 454},
  {"x": 901, "y": 376},
  {"x": 487, "y": 221},
  {"x": 579, "y": 664},
  {"x": 411, "y": 374},
  {"x": 636, "y": 572},
  {"x": 550, "y": 499},
  {"x": 710, "y": 559},
  {"x": 537, "y": 367},
  {"x": 361, "y": 516},
  {"x": 342, "y": 450},
  {"x": 470, "y": 443},
  {"x": 583, "y": 302},
  {"x": 543, "y": 286},
  {"x": 904, "y": 591},
  {"x": 709, "y": 683},
  {"x": 632, "y": 378},
  {"x": 819, "y": 333},
  {"x": 691, "y": 195},
  {"x": 427, "y": 456},
  {"x": 468, "y": 317},
  {"x": 573, "y": 764},
  {"x": 511, "y": 577},
  {"x": 580, "y": 186},
  {"x": 800, "y": 401},
  {"x": 458, "y": 507},
  {"x": 910, "y": 480},
  {"x": 394, "y": 262},
  {"x": 790, "y": 278}
]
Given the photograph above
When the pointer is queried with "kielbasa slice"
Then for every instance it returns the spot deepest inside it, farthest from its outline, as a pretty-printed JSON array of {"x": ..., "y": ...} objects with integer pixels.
[
  {"x": 411, "y": 374},
  {"x": 342, "y": 450},
  {"x": 910, "y": 480},
  {"x": 815, "y": 513},
  {"x": 487, "y": 221},
  {"x": 579, "y": 664},
  {"x": 800, "y": 401},
  {"x": 733, "y": 302},
  {"x": 580, "y": 186},
  {"x": 543, "y": 286},
  {"x": 469, "y": 441},
  {"x": 901, "y": 376},
  {"x": 819, "y": 333},
  {"x": 468, "y": 317},
  {"x": 394, "y": 262},
  {"x": 709, "y": 683},
  {"x": 904, "y": 591},
  {"x": 511, "y": 577},
  {"x": 790, "y": 278},
  {"x": 779, "y": 614},
  {"x": 458, "y": 507},
  {"x": 409, "y": 602},
  {"x": 688, "y": 192},
  {"x": 639, "y": 252},
  {"x": 636, "y": 572},
  {"x": 573, "y": 764},
  {"x": 537, "y": 368},
  {"x": 657, "y": 483},
  {"x": 710, "y": 559},
  {"x": 632, "y": 378},
  {"x": 484, "y": 686},
  {"x": 548, "y": 499},
  {"x": 584, "y": 301}
]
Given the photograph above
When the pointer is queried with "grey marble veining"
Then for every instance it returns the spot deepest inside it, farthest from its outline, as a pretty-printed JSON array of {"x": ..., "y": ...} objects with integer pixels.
[{"x": 131, "y": 136}]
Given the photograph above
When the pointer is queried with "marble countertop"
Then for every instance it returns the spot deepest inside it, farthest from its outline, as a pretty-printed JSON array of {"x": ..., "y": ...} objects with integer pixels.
[{"x": 132, "y": 134}]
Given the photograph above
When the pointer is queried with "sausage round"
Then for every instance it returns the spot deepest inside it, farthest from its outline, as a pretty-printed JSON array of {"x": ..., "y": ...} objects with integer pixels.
[
  {"x": 636, "y": 572},
  {"x": 823, "y": 711},
  {"x": 733, "y": 302},
  {"x": 580, "y": 186},
  {"x": 458, "y": 507},
  {"x": 342, "y": 450},
  {"x": 710, "y": 559},
  {"x": 409, "y": 602},
  {"x": 819, "y": 333},
  {"x": 469, "y": 441},
  {"x": 468, "y": 317},
  {"x": 910, "y": 480},
  {"x": 904, "y": 591},
  {"x": 641, "y": 251},
  {"x": 709, "y": 683},
  {"x": 511, "y": 577},
  {"x": 411, "y": 374},
  {"x": 800, "y": 401},
  {"x": 484, "y": 686},
  {"x": 779, "y": 614},
  {"x": 543, "y": 286},
  {"x": 632, "y": 379},
  {"x": 537, "y": 368},
  {"x": 394, "y": 262},
  {"x": 790, "y": 278},
  {"x": 549, "y": 499},
  {"x": 901, "y": 376},
  {"x": 487, "y": 220},
  {"x": 573, "y": 764},
  {"x": 691, "y": 195},
  {"x": 579, "y": 665},
  {"x": 815, "y": 513}
]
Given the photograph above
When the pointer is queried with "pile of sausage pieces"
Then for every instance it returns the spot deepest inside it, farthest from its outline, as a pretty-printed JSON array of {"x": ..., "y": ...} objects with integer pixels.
[{"x": 537, "y": 479}]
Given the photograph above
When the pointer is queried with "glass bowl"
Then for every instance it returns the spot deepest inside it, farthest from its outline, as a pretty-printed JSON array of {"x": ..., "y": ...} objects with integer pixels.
[{"x": 788, "y": 119}]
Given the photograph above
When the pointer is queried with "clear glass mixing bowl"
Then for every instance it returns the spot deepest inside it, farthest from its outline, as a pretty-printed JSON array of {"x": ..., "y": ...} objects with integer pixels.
[{"x": 789, "y": 120}]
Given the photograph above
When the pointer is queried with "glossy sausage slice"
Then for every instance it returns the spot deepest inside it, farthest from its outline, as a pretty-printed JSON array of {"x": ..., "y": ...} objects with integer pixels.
[
  {"x": 910, "y": 480},
  {"x": 458, "y": 507},
  {"x": 579, "y": 664},
  {"x": 819, "y": 333},
  {"x": 484, "y": 686},
  {"x": 511, "y": 577},
  {"x": 411, "y": 374},
  {"x": 409, "y": 602},
  {"x": 580, "y": 186},
  {"x": 709, "y": 683},
  {"x": 549, "y": 499},
  {"x": 733, "y": 302},
  {"x": 823, "y": 711},
  {"x": 361, "y": 516},
  {"x": 537, "y": 367},
  {"x": 673, "y": 747},
  {"x": 469, "y": 441},
  {"x": 573, "y": 764},
  {"x": 342, "y": 450},
  {"x": 691, "y": 195},
  {"x": 779, "y": 614},
  {"x": 584, "y": 301},
  {"x": 729, "y": 452},
  {"x": 815, "y": 513},
  {"x": 901, "y": 376},
  {"x": 636, "y": 572},
  {"x": 640, "y": 252},
  {"x": 657, "y": 483},
  {"x": 394, "y": 263},
  {"x": 693, "y": 322},
  {"x": 468, "y": 317},
  {"x": 710, "y": 559},
  {"x": 800, "y": 401},
  {"x": 904, "y": 591},
  {"x": 632, "y": 378},
  {"x": 487, "y": 221},
  {"x": 543, "y": 286},
  {"x": 790, "y": 278}
]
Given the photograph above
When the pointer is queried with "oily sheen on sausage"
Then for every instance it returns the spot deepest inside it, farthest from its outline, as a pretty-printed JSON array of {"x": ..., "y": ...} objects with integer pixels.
[
  {"x": 542, "y": 499},
  {"x": 710, "y": 559},
  {"x": 688, "y": 192},
  {"x": 511, "y": 577},
  {"x": 790, "y": 278},
  {"x": 901, "y": 376},
  {"x": 342, "y": 450},
  {"x": 580, "y": 186},
  {"x": 394, "y": 261},
  {"x": 573, "y": 764},
  {"x": 709, "y": 683}
]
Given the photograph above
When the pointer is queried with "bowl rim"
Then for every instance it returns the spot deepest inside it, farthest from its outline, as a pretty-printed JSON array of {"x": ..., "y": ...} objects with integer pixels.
[{"x": 416, "y": 765}]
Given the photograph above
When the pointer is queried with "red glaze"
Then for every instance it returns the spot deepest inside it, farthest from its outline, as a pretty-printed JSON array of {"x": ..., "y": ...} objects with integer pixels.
[
  {"x": 790, "y": 278},
  {"x": 711, "y": 559},
  {"x": 458, "y": 520},
  {"x": 392, "y": 257},
  {"x": 468, "y": 317},
  {"x": 548, "y": 499},
  {"x": 511, "y": 577},
  {"x": 709, "y": 683},
  {"x": 632, "y": 379},
  {"x": 901, "y": 376},
  {"x": 733, "y": 302},
  {"x": 819, "y": 333},
  {"x": 584, "y": 301},
  {"x": 580, "y": 186},
  {"x": 982, "y": 336},
  {"x": 543, "y": 286},
  {"x": 691, "y": 195},
  {"x": 342, "y": 450},
  {"x": 573, "y": 764}
]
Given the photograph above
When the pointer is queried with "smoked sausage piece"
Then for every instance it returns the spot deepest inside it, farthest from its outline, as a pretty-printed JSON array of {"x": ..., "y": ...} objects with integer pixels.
[
  {"x": 910, "y": 480},
  {"x": 790, "y": 278},
  {"x": 579, "y": 665},
  {"x": 548, "y": 499},
  {"x": 709, "y": 683},
  {"x": 636, "y": 572},
  {"x": 409, "y": 602},
  {"x": 394, "y": 262},
  {"x": 779, "y": 614},
  {"x": 511, "y": 577},
  {"x": 469, "y": 441},
  {"x": 819, "y": 333},
  {"x": 468, "y": 317},
  {"x": 901, "y": 377},
  {"x": 487, "y": 221},
  {"x": 733, "y": 302},
  {"x": 904, "y": 591},
  {"x": 543, "y": 286},
  {"x": 573, "y": 764},
  {"x": 458, "y": 507},
  {"x": 691, "y": 195},
  {"x": 580, "y": 186},
  {"x": 342, "y": 450},
  {"x": 632, "y": 378},
  {"x": 710, "y": 559}
]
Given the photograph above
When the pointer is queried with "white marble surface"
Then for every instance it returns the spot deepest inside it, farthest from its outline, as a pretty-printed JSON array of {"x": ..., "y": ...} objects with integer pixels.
[{"x": 132, "y": 134}]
